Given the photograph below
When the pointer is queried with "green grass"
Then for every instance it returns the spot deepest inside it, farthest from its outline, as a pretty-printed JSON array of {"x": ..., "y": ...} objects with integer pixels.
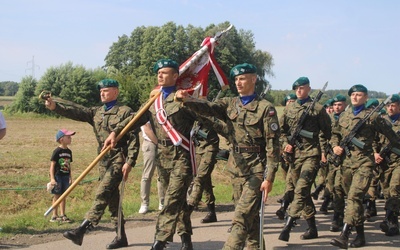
[{"x": 24, "y": 164}]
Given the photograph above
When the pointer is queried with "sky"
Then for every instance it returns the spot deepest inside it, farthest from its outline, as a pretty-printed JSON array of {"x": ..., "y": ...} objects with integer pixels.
[{"x": 343, "y": 42}]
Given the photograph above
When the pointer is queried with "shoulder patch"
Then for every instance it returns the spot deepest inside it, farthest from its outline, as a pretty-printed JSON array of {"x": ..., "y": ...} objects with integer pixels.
[{"x": 274, "y": 126}]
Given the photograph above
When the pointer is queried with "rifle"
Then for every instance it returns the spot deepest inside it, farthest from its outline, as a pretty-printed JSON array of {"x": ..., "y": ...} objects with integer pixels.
[
  {"x": 298, "y": 130},
  {"x": 351, "y": 137},
  {"x": 265, "y": 91},
  {"x": 388, "y": 149}
]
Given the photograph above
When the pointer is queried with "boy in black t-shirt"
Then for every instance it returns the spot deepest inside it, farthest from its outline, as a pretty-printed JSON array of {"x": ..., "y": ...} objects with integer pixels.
[{"x": 60, "y": 172}]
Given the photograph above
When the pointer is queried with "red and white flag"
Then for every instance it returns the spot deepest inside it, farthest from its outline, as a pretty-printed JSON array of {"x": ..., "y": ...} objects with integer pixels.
[{"x": 195, "y": 74}]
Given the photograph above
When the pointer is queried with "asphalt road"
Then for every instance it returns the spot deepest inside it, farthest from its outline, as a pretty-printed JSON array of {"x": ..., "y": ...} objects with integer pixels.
[{"x": 212, "y": 236}]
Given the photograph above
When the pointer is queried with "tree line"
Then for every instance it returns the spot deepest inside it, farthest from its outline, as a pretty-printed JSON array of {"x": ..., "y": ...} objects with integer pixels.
[{"x": 130, "y": 60}]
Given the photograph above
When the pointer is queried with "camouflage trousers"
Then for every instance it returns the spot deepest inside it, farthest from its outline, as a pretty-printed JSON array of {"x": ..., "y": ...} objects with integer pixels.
[
  {"x": 338, "y": 191},
  {"x": 202, "y": 184},
  {"x": 246, "y": 221},
  {"x": 175, "y": 216},
  {"x": 391, "y": 187},
  {"x": 107, "y": 193},
  {"x": 303, "y": 175},
  {"x": 356, "y": 180}
]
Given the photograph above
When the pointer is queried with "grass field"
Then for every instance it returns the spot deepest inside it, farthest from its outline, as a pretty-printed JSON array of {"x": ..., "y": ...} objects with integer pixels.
[{"x": 24, "y": 164}]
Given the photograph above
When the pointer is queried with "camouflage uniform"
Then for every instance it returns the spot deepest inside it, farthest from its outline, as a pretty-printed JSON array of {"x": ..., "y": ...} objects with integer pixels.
[
  {"x": 206, "y": 152},
  {"x": 254, "y": 126},
  {"x": 358, "y": 165},
  {"x": 175, "y": 168},
  {"x": 306, "y": 161},
  {"x": 110, "y": 167},
  {"x": 391, "y": 186}
]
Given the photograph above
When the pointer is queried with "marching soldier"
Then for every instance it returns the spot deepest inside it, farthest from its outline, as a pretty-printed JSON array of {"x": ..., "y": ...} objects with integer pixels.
[
  {"x": 306, "y": 159},
  {"x": 391, "y": 174},
  {"x": 207, "y": 148},
  {"x": 172, "y": 124},
  {"x": 115, "y": 165},
  {"x": 255, "y": 150},
  {"x": 334, "y": 178},
  {"x": 358, "y": 163}
]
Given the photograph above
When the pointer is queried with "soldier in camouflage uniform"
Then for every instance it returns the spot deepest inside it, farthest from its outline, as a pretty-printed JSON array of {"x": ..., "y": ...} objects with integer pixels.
[
  {"x": 334, "y": 178},
  {"x": 175, "y": 168},
  {"x": 115, "y": 165},
  {"x": 286, "y": 166},
  {"x": 391, "y": 172},
  {"x": 357, "y": 167},
  {"x": 255, "y": 148},
  {"x": 207, "y": 148},
  {"x": 305, "y": 160}
]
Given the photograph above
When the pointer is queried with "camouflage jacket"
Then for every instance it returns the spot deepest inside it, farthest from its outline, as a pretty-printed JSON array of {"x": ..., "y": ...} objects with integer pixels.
[
  {"x": 393, "y": 155},
  {"x": 103, "y": 123},
  {"x": 181, "y": 118},
  {"x": 207, "y": 138},
  {"x": 254, "y": 124},
  {"x": 317, "y": 122},
  {"x": 367, "y": 133}
]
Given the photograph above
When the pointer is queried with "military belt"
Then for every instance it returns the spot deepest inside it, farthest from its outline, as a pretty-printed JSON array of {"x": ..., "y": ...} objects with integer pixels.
[
  {"x": 165, "y": 142},
  {"x": 246, "y": 149}
]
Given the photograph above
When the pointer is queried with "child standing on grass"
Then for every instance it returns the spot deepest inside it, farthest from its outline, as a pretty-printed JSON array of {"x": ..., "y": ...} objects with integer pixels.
[{"x": 60, "y": 172}]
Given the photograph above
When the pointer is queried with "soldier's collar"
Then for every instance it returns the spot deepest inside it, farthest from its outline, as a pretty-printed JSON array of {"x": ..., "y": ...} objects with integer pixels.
[
  {"x": 301, "y": 102},
  {"x": 109, "y": 105}
]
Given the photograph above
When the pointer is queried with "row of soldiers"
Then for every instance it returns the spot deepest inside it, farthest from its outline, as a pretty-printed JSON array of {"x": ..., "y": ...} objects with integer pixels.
[
  {"x": 350, "y": 169},
  {"x": 249, "y": 123},
  {"x": 257, "y": 139}
]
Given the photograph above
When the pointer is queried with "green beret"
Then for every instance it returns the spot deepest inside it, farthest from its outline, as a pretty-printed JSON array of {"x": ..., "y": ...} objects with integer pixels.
[
  {"x": 357, "y": 88},
  {"x": 371, "y": 103},
  {"x": 339, "y": 98},
  {"x": 165, "y": 63},
  {"x": 241, "y": 69},
  {"x": 328, "y": 103},
  {"x": 300, "y": 82},
  {"x": 289, "y": 97},
  {"x": 395, "y": 98},
  {"x": 107, "y": 83},
  {"x": 382, "y": 112}
]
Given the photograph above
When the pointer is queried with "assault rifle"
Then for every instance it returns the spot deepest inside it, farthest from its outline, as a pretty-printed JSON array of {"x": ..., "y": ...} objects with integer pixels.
[
  {"x": 298, "y": 130},
  {"x": 351, "y": 137},
  {"x": 388, "y": 149}
]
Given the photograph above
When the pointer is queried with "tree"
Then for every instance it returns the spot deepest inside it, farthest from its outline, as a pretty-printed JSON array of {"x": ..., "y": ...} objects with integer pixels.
[
  {"x": 23, "y": 98},
  {"x": 131, "y": 59},
  {"x": 8, "y": 88}
]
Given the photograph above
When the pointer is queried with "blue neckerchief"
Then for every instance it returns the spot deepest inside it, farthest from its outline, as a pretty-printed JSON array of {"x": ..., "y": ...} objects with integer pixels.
[
  {"x": 301, "y": 102},
  {"x": 247, "y": 99},
  {"x": 107, "y": 106},
  {"x": 336, "y": 116},
  {"x": 167, "y": 90},
  {"x": 358, "y": 109},
  {"x": 394, "y": 118}
]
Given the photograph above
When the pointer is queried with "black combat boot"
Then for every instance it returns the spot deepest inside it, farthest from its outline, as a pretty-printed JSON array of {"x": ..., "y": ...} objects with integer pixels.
[
  {"x": 312, "y": 231},
  {"x": 393, "y": 225},
  {"x": 370, "y": 209},
  {"x": 119, "y": 242},
  {"x": 186, "y": 242},
  {"x": 324, "y": 206},
  {"x": 282, "y": 210},
  {"x": 317, "y": 190},
  {"x": 359, "y": 241},
  {"x": 77, "y": 234},
  {"x": 211, "y": 216},
  {"x": 337, "y": 222},
  {"x": 385, "y": 223},
  {"x": 158, "y": 245},
  {"x": 343, "y": 240},
  {"x": 285, "y": 234}
]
